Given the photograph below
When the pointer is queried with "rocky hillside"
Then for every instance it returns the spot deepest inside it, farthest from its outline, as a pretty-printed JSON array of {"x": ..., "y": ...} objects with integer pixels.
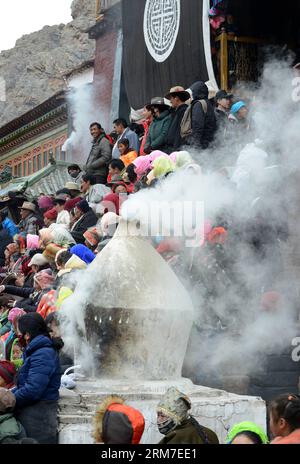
[{"x": 33, "y": 70}]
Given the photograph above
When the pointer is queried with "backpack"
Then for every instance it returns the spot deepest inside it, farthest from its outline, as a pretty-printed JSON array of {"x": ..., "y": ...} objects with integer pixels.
[{"x": 186, "y": 123}]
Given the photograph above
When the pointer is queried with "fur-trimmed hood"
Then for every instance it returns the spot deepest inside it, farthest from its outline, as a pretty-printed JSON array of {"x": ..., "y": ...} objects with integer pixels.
[{"x": 116, "y": 423}]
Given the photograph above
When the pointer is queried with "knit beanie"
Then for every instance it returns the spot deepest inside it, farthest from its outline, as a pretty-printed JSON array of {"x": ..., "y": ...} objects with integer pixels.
[
  {"x": 45, "y": 203},
  {"x": 51, "y": 214}
]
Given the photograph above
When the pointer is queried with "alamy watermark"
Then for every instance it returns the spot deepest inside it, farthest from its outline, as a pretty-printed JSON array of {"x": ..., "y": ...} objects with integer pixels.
[
  {"x": 296, "y": 350},
  {"x": 180, "y": 219}
]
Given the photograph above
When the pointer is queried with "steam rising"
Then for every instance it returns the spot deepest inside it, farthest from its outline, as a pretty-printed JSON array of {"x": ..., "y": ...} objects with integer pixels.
[{"x": 230, "y": 329}]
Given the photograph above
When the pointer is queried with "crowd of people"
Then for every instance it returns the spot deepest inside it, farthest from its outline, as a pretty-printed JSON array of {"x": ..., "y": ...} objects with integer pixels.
[{"x": 61, "y": 234}]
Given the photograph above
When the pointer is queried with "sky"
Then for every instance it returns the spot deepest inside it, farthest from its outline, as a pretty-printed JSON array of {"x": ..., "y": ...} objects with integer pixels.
[{"x": 19, "y": 17}]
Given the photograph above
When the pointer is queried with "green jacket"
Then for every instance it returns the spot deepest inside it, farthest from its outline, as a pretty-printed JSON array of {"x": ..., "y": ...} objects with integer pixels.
[
  {"x": 187, "y": 434},
  {"x": 158, "y": 131},
  {"x": 9, "y": 427},
  {"x": 5, "y": 325}
]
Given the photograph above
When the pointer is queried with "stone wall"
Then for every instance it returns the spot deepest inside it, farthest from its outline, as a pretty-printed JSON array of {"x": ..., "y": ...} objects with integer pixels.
[{"x": 34, "y": 69}]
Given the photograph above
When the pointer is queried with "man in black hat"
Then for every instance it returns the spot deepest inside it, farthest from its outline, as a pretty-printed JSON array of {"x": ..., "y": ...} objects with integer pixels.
[
  {"x": 177, "y": 96},
  {"x": 223, "y": 105}
]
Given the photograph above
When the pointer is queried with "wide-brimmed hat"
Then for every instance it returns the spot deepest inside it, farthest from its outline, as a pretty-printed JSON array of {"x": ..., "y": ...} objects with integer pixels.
[
  {"x": 72, "y": 186},
  {"x": 28, "y": 206},
  {"x": 178, "y": 91},
  {"x": 159, "y": 101}
]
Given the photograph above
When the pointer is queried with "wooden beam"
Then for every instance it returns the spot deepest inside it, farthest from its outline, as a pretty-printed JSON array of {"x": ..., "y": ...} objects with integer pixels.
[{"x": 224, "y": 61}]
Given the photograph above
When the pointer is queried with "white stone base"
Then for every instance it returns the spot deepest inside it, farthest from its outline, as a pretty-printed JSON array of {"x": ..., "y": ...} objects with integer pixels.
[{"x": 215, "y": 409}]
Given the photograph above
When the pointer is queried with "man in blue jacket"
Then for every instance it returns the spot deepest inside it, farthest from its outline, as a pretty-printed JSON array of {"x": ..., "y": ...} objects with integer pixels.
[{"x": 8, "y": 224}]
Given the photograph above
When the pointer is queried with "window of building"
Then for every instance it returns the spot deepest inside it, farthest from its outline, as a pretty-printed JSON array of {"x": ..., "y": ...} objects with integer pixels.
[
  {"x": 29, "y": 167},
  {"x": 45, "y": 158},
  {"x": 57, "y": 153},
  {"x": 25, "y": 168},
  {"x": 34, "y": 164},
  {"x": 39, "y": 161}
]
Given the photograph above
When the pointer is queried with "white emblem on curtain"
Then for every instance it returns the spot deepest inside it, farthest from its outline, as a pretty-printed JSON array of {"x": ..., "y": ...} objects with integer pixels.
[{"x": 161, "y": 26}]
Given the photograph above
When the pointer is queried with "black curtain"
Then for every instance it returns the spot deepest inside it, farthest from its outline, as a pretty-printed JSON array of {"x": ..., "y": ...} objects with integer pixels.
[{"x": 146, "y": 78}]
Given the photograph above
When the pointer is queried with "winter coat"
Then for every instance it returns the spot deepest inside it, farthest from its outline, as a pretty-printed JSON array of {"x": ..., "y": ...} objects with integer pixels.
[
  {"x": 187, "y": 434},
  {"x": 39, "y": 377},
  {"x": 174, "y": 140},
  {"x": 63, "y": 219},
  {"x": 5, "y": 325},
  {"x": 203, "y": 125},
  {"x": 10, "y": 226},
  {"x": 129, "y": 158},
  {"x": 5, "y": 239},
  {"x": 99, "y": 157},
  {"x": 9, "y": 427},
  {"x": 158, "y": 131},
  {"x": 86, "y": 221},
  {"x": 30, "y": 225},
  {"x": 146, "y": 124},
  {"x": 31, "y": 297},
  {"x": 133, "y": 139},
  {"x": 96, "y": 193},
  {"x": 292, "y": 439}
]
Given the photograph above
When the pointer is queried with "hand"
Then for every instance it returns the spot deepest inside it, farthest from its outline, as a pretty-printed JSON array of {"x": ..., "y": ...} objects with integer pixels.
[
  {"x": 2, "y": 288},
  {"x": 148, "y": 150}
]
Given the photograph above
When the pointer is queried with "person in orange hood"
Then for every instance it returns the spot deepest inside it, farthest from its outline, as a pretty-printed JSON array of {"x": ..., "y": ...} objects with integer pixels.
[{"x": 117, "y": 423}]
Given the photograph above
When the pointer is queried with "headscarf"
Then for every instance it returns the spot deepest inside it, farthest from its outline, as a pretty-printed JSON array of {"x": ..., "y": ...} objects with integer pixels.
[
  {"x": 142, "y": 164},
  {"x": 32, "y": 242},
  {"x": 45, "y": 203},
  {"x": 51, "y": 251},
  {"x": 246, "y": 427},
  {"x": 111, "y": 203},
  {"x": 181, "y": 158},
  {"x": 46, "y": 236},
  {"x": 62, "y": 237},
  {"x": 84, "y": 253},
  {"x": 163, "y": 166},
  {"x": 44, "y": 278},
  {"x": 157, "y": 154},
  {"x": 12, "y": 248},
  {"x": 91, "y": 236},
  {"x": 175, "y": 405},
  {"x": 51, "y": 214},
  {"x": 14, "y": 313},
  {"x": 109, "y": 219}
]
